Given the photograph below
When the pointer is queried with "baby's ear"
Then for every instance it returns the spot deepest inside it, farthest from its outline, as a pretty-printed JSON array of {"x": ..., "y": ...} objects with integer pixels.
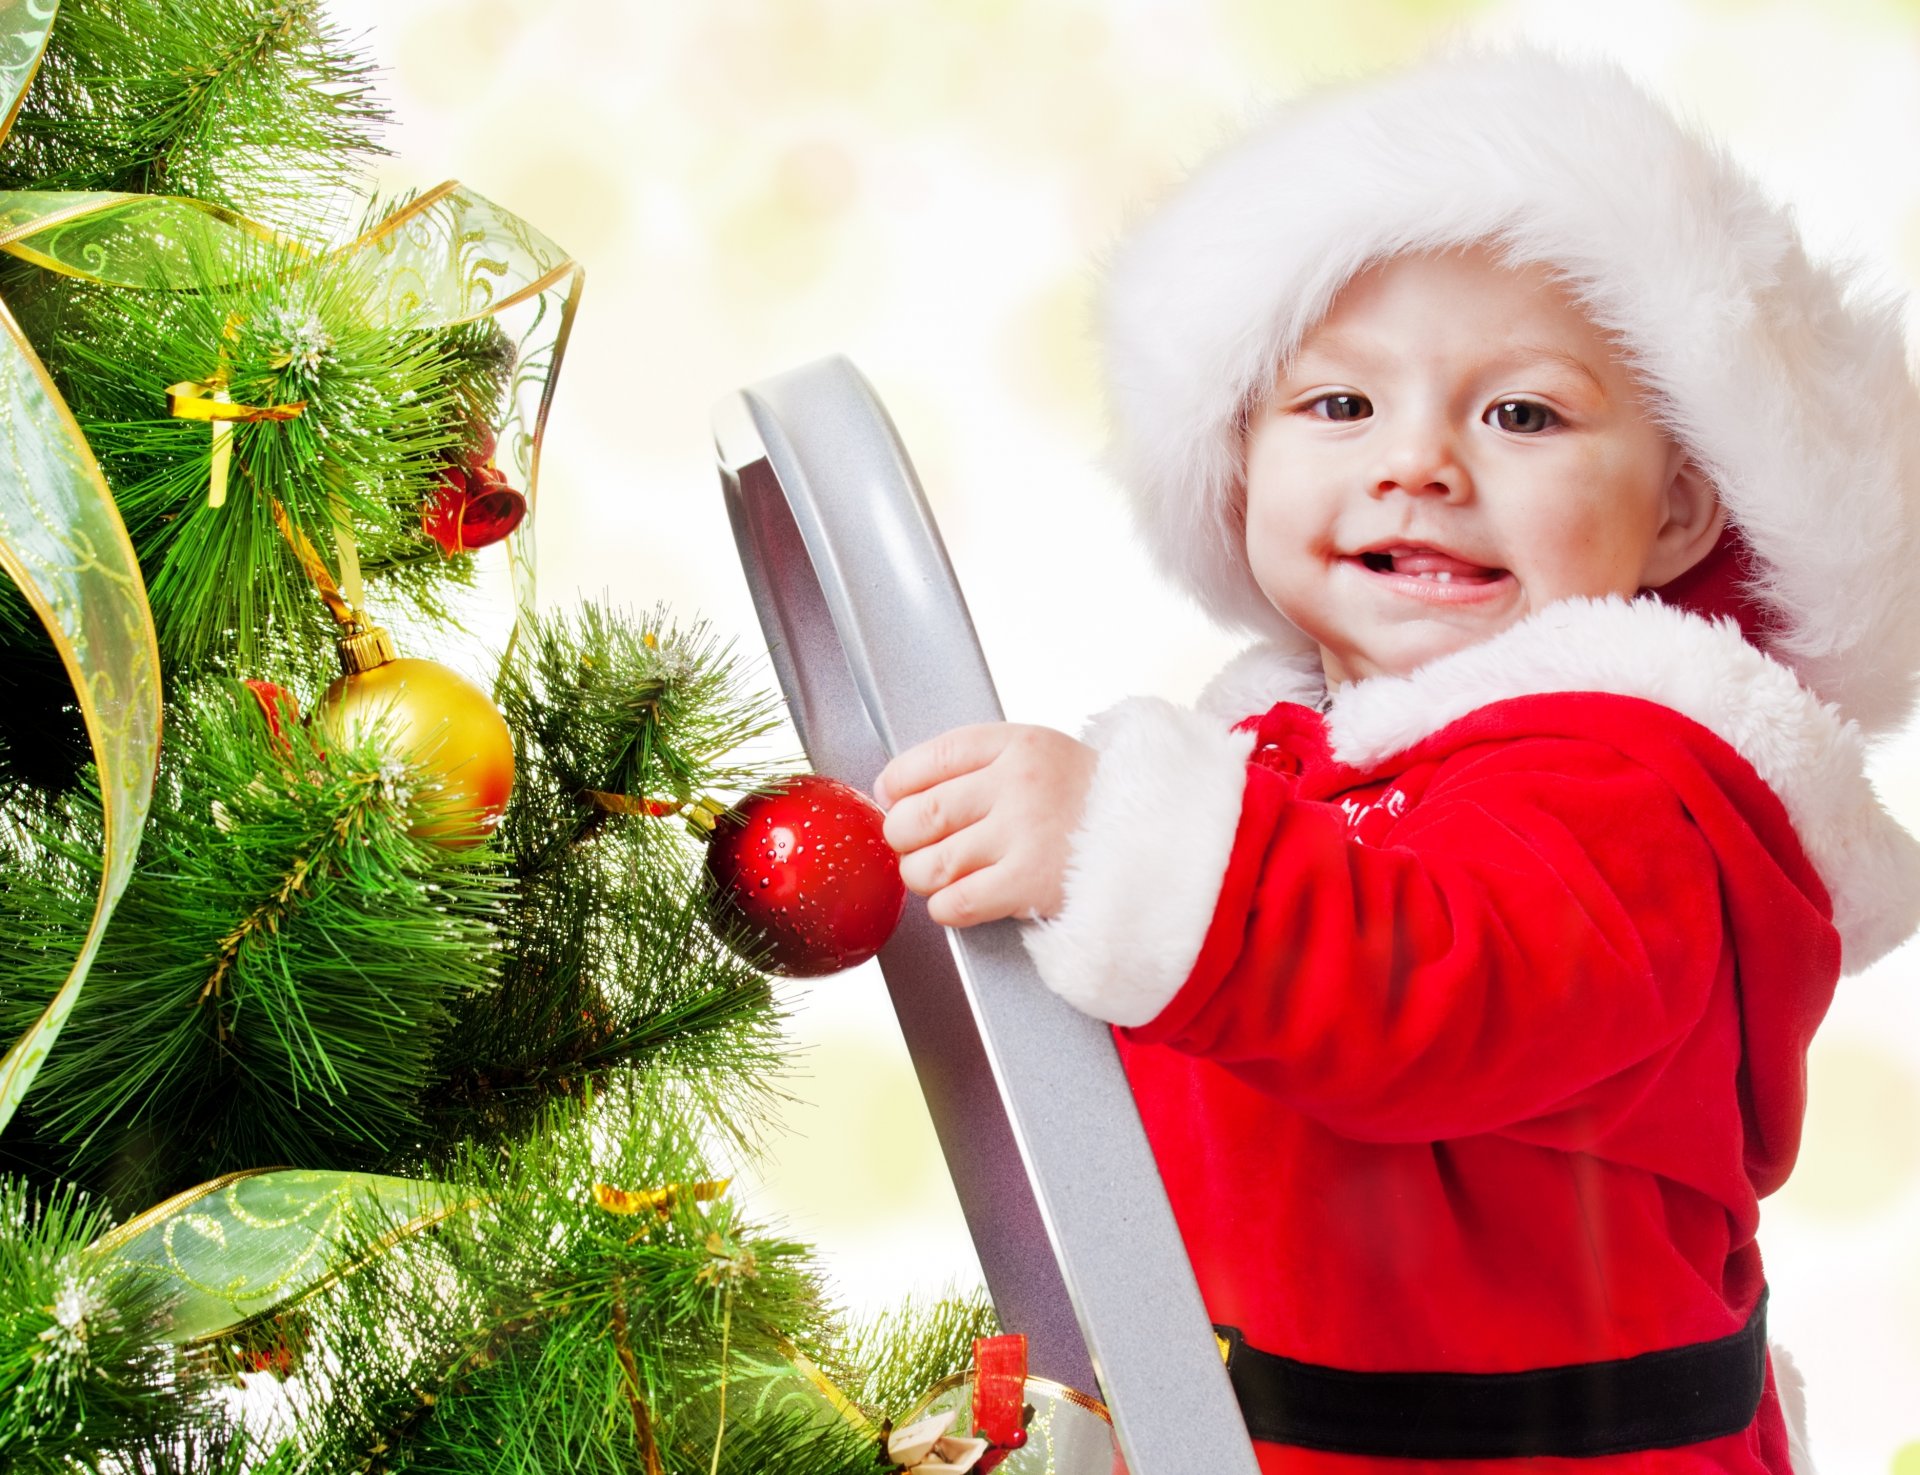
[{"x": 1695, "y": 517}]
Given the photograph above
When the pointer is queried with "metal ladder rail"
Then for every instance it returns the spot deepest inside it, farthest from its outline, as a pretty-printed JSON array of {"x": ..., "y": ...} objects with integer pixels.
[{"x": 874, "y": 648}]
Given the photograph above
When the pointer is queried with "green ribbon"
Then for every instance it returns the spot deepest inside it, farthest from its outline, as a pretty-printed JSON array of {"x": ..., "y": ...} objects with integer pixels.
[
  {"x": 62, "y": 541},
  {"x": 250, "y": 1244}
]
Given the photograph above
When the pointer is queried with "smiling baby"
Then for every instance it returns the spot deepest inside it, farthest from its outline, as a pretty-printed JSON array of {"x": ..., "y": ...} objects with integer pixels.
[{"x": 1464, "y": 945}]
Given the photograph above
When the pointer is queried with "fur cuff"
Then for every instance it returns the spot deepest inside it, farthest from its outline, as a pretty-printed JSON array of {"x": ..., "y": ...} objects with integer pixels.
[
  {"x": 1792, "y": 1388},
  {"x": 1146, "y": 862}
]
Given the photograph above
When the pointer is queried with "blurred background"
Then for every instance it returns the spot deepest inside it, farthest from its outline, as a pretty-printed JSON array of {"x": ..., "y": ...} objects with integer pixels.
[{"x": 927, "y": 186}]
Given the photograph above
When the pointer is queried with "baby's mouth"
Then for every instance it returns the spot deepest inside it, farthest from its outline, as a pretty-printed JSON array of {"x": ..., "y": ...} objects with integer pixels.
[{"x": 1430, "y": 565}]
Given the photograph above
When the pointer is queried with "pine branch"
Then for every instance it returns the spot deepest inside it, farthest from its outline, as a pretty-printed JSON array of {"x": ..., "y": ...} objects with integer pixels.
[
  {"x": 548, "y": 1331},
  {"x": 259, "y": 105},
  {"x": 81, "y": 1372},
  {"x": 609, "y": 960},
  {"x": 616, "y": 968},
  {"x": 630, "y": 1373},
  {"x": 896, "y": 1357},
  {"x": 276, "y": 972},
  {"x": 368, "y": 797},
  {"x": 638, "y": 710}
]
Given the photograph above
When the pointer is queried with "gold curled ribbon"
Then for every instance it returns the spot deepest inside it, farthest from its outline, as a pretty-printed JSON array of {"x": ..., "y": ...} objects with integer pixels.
[
  {"x": 657, "y": 1203},
  {"x": 661, "y": 1201},
  {"x": 209, "y": 400},
  {"x": 633, "y": 804},
  {"x": 194, "y": 400},
  {"x": 702, "y": 815},
  {"x": 618, "y": 803}
]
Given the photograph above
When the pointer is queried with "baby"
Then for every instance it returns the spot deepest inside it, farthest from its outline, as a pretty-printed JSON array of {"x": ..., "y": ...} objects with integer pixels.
[{"x": 1465, "y": 944}]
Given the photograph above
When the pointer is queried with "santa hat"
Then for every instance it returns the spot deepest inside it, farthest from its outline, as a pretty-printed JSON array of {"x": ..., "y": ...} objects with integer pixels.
[{"x": 1785, "y": 378}]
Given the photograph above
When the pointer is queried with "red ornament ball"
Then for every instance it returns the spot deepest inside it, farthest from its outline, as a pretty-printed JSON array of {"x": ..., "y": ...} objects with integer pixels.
[{"x": 806, "y": 875}]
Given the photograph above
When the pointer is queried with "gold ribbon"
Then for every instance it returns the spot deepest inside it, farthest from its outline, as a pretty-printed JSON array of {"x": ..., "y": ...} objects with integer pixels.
[
  {"x": 342, "y": 604},
  {"x": 659, "y": 1201},
  {"x": 193, "y": 400}
]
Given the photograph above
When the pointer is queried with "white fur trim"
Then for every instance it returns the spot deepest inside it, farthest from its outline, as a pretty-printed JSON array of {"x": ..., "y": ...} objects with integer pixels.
[
  {"x": 1811, "y": 756},
  {"x": 1259, "y": 677},
  {"x": 1147, "y": 860},
  {"x": 1792, "y": 1388},
  {"x": 1787, "y": 379}
]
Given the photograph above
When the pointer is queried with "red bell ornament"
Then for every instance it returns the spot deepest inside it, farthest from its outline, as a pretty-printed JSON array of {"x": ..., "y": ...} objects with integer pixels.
[
  {"x": 805, "y": 872},
  {"x": 471, "y": 507}
]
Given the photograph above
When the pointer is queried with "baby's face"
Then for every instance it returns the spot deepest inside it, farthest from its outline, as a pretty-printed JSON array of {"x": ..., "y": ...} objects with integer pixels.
[{"x": 1454, "y": 447}]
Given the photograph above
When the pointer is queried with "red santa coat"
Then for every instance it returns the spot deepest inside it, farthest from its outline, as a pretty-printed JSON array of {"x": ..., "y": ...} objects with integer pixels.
[{"x": 1469, "y": 1021}]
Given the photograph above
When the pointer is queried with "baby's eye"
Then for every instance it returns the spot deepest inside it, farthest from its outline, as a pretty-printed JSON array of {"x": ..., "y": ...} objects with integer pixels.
[
  {"x": 1522, "y": 416},
  {"x": 1342, "y": 407}
]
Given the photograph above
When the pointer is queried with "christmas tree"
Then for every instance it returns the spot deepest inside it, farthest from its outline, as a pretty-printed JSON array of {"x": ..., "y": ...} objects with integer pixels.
[{"x": 376, "y": 1038}]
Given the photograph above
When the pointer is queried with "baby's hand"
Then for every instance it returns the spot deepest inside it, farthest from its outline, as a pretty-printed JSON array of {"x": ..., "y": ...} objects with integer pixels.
[{"x": 981, "y": 816}]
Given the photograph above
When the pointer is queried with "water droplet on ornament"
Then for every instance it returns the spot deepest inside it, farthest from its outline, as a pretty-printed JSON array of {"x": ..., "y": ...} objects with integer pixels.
[{"x": 763, "y": 883}]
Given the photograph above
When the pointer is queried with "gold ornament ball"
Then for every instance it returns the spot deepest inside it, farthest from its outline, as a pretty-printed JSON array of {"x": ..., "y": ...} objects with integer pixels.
[{"x": 434, "y": 718}]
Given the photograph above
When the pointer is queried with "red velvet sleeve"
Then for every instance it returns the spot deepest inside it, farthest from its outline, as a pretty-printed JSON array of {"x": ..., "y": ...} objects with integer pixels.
[{"x": 1545, "y": 917}]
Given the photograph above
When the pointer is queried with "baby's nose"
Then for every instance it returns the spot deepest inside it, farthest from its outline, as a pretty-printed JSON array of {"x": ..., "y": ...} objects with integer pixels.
[
  {"x": 1444, "y": 483},
  {"x": 1421, "y": 460}
]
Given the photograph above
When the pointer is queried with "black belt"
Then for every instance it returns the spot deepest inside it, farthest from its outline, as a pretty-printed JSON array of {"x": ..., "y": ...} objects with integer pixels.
[{"x": 1680, "y": 1395}]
